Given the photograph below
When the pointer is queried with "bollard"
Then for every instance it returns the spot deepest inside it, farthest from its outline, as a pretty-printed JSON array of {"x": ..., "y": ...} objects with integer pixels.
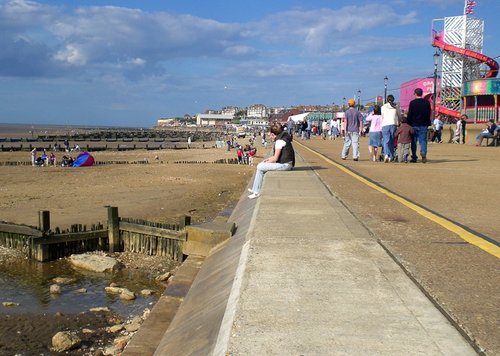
[
  {"x": 113, "y": 229},
  {"x": 184, "y": 220},
  {"x": 44, "y": 220}
]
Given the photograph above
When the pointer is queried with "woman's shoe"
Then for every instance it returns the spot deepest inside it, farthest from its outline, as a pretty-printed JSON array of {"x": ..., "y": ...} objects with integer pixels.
[{"x": 253, "y": 196}]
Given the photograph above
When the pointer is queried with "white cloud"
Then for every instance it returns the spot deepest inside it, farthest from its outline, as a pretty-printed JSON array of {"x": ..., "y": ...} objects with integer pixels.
[
  {"x": 72, "y": 55},
  {"x": 314, "y": 29},
  {"x": 137, "y": 62},
  {"x": 239, "y": 51},
  {"x": 113, "y": 33}
]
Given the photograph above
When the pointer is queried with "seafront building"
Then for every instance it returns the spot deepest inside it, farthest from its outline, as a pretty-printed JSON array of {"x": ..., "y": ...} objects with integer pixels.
[{"x": 218, "y": 120}]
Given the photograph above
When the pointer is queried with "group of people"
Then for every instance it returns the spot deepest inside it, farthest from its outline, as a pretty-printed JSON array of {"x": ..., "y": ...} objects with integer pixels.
[
  {"x": 389, "y": 129},
  {"x": 386, "y": 126},
  {"x": 246, "y": 154},
  {"x": 399, "y": 136},
  {"x": 44, "y": 159},
  {"x": 306, "y": 128},
  {"x": 49, "y": 159}
]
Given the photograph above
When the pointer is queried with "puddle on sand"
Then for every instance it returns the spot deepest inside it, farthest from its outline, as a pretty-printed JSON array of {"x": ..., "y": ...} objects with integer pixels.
[{"x": 27, "y": 283}]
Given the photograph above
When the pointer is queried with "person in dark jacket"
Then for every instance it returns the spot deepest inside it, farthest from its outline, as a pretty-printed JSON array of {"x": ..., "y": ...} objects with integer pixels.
[
  {"x": 489, "y": 132},
  {"x": 419, "y": 117},
  {"x": 283, "y": 158}
]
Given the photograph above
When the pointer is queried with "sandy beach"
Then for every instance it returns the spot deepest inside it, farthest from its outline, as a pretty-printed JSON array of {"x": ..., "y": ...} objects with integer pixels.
[{"x": 162, "y": 190}]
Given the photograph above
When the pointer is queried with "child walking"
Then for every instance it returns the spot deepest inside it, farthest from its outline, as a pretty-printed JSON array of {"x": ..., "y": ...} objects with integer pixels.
[{"x": 404, "y": 134}]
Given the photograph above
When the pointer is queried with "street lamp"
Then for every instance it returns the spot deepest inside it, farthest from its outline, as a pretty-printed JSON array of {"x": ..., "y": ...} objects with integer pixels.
[
  {"x": 343, "y": 103},
  {"x": 359, "y": 98},
  {"x": 385, "y": 88},
  {"x": 436, "y": 60}
]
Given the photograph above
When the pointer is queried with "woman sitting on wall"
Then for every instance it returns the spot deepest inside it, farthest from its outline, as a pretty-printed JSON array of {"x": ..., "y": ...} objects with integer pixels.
[{"x": 283, "y": 158}]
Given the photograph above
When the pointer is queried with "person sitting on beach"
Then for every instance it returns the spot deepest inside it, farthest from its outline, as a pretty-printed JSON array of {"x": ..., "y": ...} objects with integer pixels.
[
  {"x": 45, "y": 158},
  {"x": 283, "y": 158},
  {"x": 39, "y": 161},
  {"x": 52, "y": 159},
  {"x": 489, "y": 132},
  {"x": 66, "y": 161}
]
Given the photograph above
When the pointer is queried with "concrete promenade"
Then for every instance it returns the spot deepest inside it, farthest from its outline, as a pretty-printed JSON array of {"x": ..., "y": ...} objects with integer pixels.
[{"x": 302, "y": 276}]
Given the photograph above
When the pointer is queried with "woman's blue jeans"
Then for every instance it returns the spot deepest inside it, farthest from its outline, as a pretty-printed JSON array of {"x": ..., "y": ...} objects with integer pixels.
[
  {"x": 264, "y": 167},
  {"x": 388, "y": 132}
]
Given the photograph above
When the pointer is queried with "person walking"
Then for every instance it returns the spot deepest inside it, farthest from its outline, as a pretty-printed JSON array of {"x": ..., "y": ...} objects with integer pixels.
[
  {"x": 283, "y": 158},
  {"x": 419, "y": 117},
  {"x": 334, "y": 128},
  {"x": 403, "y": 135},
  {"x": 353, "y": 121},
  {"x": 460, "y": 129},
  {"x": 463, "y": 120},
  {"x": 375, "y": 132},
  {"x": 303, "y": 129},
  {"x": 437, "y": 124},
  {"x": 308, "y": 129},
  {"x": 290, "y": 124},
  {"x": 390, "y": 121},
  {"x": 324, "y": 129}
]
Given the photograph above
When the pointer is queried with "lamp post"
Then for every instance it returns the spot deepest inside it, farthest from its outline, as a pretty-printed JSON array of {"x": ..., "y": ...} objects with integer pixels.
[
  {"x": 359, "y": 99},
  {"x": 343, "y": 103},
  {"x": 386, "y": 80},
  {"x": 434, "y": 94}
]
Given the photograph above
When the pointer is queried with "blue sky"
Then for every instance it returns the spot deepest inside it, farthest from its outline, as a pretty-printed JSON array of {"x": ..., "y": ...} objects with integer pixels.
[{"x": 128, "y": 63}]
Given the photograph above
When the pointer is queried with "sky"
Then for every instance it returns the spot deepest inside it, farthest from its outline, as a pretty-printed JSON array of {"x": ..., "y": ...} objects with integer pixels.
[{"x": 129, "y": 63}]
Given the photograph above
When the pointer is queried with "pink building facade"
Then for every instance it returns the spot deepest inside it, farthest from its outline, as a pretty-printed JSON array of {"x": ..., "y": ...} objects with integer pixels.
[{"x": 406, "y": 91}]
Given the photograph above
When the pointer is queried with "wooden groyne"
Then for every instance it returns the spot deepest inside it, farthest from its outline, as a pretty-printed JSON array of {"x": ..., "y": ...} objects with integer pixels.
[
  {"x": 102, "y": 163},
  {"x": 119, "y": 235},
  {"x": 117, "y": 139}
]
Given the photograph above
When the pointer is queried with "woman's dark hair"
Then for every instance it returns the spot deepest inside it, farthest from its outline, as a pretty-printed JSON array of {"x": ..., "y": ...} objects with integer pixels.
[
  {"x": 390, "y": 100},
  {"x": 276, "y": 128},
  {"x": 376, "y": 110}
]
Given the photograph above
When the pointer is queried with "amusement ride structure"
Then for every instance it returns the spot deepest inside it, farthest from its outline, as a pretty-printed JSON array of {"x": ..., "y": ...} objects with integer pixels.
[{"x": 460, "y": 40}]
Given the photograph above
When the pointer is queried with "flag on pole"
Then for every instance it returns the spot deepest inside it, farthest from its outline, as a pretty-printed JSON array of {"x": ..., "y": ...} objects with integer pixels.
[{"x": 469, "y": 7}]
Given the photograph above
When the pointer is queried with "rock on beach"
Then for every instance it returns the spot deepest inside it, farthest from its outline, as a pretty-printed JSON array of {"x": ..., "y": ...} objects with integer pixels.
[
  {"x": 64, "y": 341},
  {"x": 94, "y": 263}
]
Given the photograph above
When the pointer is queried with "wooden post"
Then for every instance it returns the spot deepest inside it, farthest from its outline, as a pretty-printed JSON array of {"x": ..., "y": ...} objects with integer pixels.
[
  {"x": 184, "y": 221},
  {"x": 44, "y": 220},
  {"x": 113, "y": 229}
]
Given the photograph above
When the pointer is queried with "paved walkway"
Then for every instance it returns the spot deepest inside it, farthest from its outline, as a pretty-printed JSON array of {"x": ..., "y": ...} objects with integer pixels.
[{"x": 304, "y": 277}]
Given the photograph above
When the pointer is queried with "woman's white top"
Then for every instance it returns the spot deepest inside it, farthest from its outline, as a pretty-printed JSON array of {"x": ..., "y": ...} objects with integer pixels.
[{"x": 390, "y": 115}]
